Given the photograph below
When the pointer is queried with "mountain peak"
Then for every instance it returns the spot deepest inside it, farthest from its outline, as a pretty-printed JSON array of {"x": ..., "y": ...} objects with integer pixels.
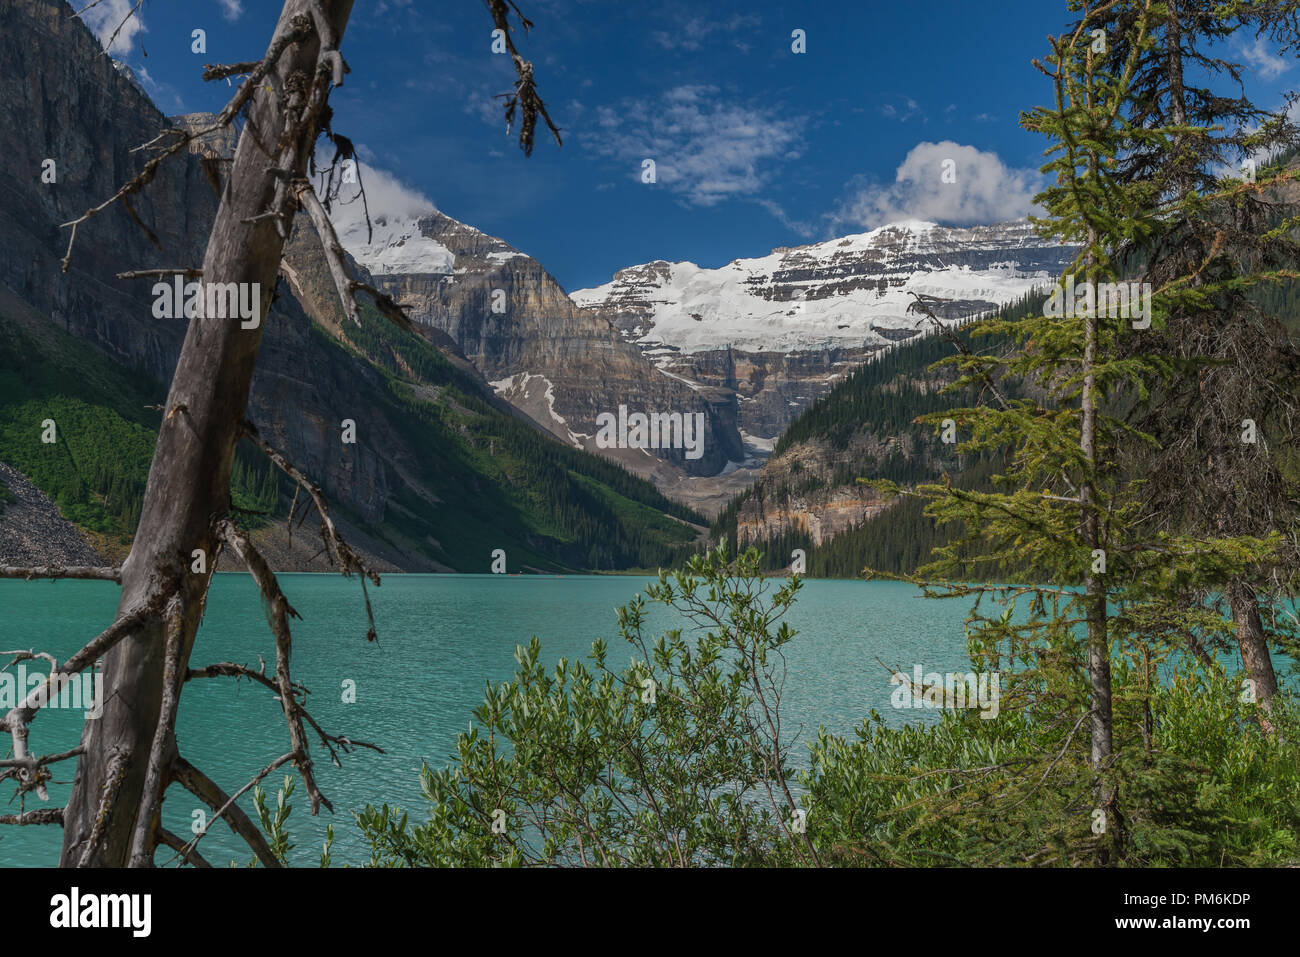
[{"x": 848, "y": 292}]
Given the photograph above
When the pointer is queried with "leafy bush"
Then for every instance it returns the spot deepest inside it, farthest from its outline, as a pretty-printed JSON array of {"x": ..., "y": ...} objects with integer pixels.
[
  {"x": 576, "y": 766},
  {"x": 676, "y": 760}
]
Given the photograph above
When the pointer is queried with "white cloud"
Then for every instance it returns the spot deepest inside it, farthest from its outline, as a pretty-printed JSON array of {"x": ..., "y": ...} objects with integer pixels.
[
  {"x": 106, "y": 17},
  {"x": 394, "y": 242},
  {"x": 231, "y": 9},
  {"x": 986, "y": 190},
  {"x": 386, "y": 195},
  {"x": 1266, "y": 63},
  {"x": 797, "y": 226},
  {"x": 705, "y": 151}
]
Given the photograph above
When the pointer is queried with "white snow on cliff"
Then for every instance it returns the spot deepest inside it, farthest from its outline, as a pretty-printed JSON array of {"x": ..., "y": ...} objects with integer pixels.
[
  {"x": 826, "y": 294},
  {"x": 396, "y": 243},
  {"x": 398, "y": 246}
]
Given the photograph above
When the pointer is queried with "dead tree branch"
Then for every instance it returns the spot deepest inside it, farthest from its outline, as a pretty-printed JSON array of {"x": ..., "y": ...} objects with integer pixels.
[
  {"x": 142, "y": 845},
  {"x": 45, "y": 815},
  {"x": 219, "y": 71},
  {"x": 190, "y": 855},
  {"x": 52, "y": 572},
  {"x": 229, "y": 669},
  {"x": 525, "y": 98},
  {"x": 160, "y": 273},
  {"x": 346, "y": 286},
  {"x": 331, "y": 61},
  {"x": 225, "y": 806},
  {"x": 19, "y": 717},
  {"x": 278, "y": 612},
  {"x": 31, "y": 762},
  {"x": 336, "y": 548}
]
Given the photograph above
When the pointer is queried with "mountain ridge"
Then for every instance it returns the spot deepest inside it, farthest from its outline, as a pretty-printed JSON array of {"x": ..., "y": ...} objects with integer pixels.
[{"x": 441, "y": 473}]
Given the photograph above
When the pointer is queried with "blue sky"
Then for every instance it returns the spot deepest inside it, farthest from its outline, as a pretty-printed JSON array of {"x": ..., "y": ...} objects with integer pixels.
[{"x": 755, "y": 146}]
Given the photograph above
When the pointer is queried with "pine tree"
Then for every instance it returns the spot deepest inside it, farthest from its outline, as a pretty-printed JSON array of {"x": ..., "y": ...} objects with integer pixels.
[
  {"x": 1222, "y": 417},
  {"x": 1066, "y": 507}
]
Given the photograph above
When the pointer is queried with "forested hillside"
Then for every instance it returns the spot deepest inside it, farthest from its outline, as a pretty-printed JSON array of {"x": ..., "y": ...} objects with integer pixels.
[
  {"x": 499, "y": 482},
  {"x": 866, "y": 429},
  {"x": 882, "y": 400}
]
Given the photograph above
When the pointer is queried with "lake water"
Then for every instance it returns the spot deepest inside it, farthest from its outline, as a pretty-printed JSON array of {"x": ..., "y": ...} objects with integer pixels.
[{"x": 440, "y": 638}]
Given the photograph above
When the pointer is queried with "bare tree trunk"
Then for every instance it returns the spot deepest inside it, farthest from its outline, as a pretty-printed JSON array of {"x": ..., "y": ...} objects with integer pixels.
[
  {"x": 189, "y": 481},
  {"x": 1095, "y": 591},
  {"x": 1094, "y": 588},
  {"x": 1254, "y": 649}
]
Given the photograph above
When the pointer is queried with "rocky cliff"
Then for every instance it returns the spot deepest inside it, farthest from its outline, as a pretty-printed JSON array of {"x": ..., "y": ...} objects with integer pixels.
[
  {"x": 562, "y": 365},
  {"x": 414, "y": 480},
  {"x": 780, "y": 330}
]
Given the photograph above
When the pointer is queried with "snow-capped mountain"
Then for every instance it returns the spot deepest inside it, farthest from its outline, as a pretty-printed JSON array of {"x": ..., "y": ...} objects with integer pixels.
[
  {"x": 751, "y": 344},
  {"x": 847, "y": 292},
  {"x": 560, "y": 365},
  {"x": 778, "y": 330}
]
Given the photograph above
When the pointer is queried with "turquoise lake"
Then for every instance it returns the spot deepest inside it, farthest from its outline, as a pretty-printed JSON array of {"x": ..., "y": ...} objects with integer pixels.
[{"x": 440, "y": 638}]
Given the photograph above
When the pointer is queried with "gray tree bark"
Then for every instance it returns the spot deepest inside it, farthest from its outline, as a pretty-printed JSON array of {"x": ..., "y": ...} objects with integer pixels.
[
  {"x": 1255, "y": 657},
  {"x": 189, "y": 480}
]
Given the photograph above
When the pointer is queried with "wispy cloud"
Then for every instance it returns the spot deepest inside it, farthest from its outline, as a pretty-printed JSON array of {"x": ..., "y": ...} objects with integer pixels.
[
  {"x": 984, "y": 190},
  {"x": 1265, "y": 61},
  {"x": 800, "y": 227},
  {"x": 705, "y": 150},
  {"x": 114, "y": 16},
  {"x": 902, "y": 109},
  {"x": 693, "y": 32},
  {"x": 163, "y": 94},
  {"x": 232, "y": 10}
]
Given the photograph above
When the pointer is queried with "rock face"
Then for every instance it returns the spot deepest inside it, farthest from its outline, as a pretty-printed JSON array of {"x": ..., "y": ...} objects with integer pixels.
[
  {"x": 810, "y": 488},
  {"x": 771, "y": 388},
  {"x": 515, "y": 323},
  {"x": 62, "y": 99},
  {"x": 751, "y": 345},
  {"x": 76, "y": 108},
  {"x": 821, "y": 516},
  {"x": 32, "y": 532},
  {"x": 79, "y": 117},
  {"x": 778, "y": 331}
]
